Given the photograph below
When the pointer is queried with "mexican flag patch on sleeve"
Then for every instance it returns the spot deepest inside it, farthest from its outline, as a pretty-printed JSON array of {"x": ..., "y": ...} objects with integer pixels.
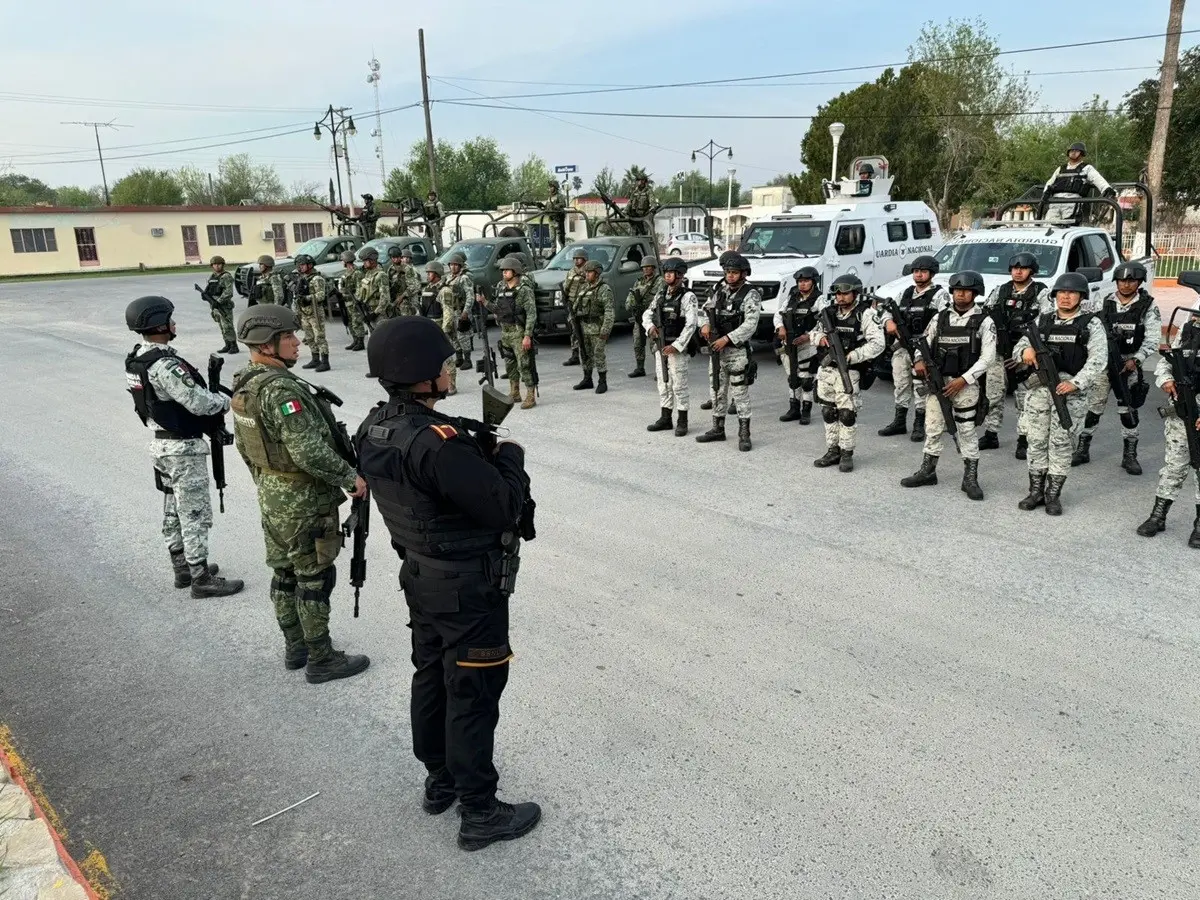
[{"x": 290, "y": 407}]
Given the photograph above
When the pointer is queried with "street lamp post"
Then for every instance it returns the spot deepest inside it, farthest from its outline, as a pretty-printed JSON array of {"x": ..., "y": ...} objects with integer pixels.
[
  {"x": 729, "y": 201},
  {"x": 712, "y": 149},
  {"x": 338, "y": 121},
  {"x": 835, "y": 132}
]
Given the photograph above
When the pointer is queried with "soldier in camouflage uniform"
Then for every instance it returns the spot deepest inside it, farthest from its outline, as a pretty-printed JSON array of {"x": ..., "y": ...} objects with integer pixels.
[
  {"x": 1178, "y": 460},
  {"x": 439, "y": 301},
  {"x": 728, "y": 321},
  {"x": 1134, "y": 326},
  {"x": 862, "y": 337},
  {"x": 676, "y": 307},
  {"x": 515, "y": 309},
  {"x": 303, "y": 466},
  {"x": 308, "y": 295},
  {"x": 643, "y": 291},
  {"x": 405, "y": 283},
  {"x": 434, "y": 213},
  {"x": 373, "y": 290},
  {"x": 220, "y": 289},
  {"x": 572, "y": 284},
  {"x": 640, "y": 203},
  {"x": 348, "y": 283},
  {"x": 556, "y": 211},
  {"x": 268, "y": 284},
  {"x": 793, "y": 323},
  {"x": 464, "y": 287},
  {"x": 170, "y": 392},
  {"x": 593, "y": 308},
  {"x": 1080, "y": 350}
]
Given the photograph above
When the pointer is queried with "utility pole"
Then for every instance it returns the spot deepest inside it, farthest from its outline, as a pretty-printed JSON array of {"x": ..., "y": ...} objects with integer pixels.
[
  {"x": 1166, "y": 94},
  {"x": 433, "y": 186},
  {"x": 338, "y": 120},
  {"x": 373, "y": 80},
  {"x": 349, "y": 182},
  {"x": 96, "y": 126}
]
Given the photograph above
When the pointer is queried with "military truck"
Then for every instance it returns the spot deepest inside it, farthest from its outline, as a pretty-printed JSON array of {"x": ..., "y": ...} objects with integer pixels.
[
  {"x": 621, "y": 257},
  {"x": 325, "y": 251},
  {"x": 484, "y": 254}
]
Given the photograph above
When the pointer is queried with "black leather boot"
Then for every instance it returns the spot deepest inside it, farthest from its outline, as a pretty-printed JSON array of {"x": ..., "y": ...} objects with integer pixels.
[
  {"x": 440, "y": 794},
  {"x": 1194, "y": 540},
  {"x": 1129, "y": 460},
  {"x": 806, "y": 412},
  {"x": 989, "y": 441},
  {"x": 1037, "y": 492},
  {"x": 183, "y": 574},
  {"x": 322, "y": 363},
  {"x": 1022, "y": 450},
  {"x": 744, "y": 434},
  {"x": 926, "y": 474},
  {"x": 496, "y": 822},
  {"x": 295, "y": 651},
  {"x": 1083, "y": 451},
  {"x": 793, "y": 412},
  {"x": 970, "y": 482},
  {"x": 312, "y": 363},
  {"x": 846, "y": 461},
  {"x": 831, "y": 458},
  {"x": 602, "y": 383},
  {"x": 639, "y": 371},
  {"x": 716, "y": 433},
  {"x": 206, "y": 584},
  {"x": 706, "y": 405},
  {"x": 918, "y": 432},
  {"x": 335, "y": 665},
  {"x": 586, "y": 383},
  {"x": 663, "y": 422},
  {"x": 573, "y": 359},
  {"x": 899, "y": 423},
  {"x": 681, "y": 423},
  {"x": 1054, "y": 486},
  {"x": 1158, "y": 518}
]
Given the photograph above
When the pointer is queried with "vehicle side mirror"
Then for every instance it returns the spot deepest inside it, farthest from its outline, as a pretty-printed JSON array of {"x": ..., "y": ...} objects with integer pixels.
[
  {"x": 331, "y": 257},
  {"x": 1092, "y": 273},
  {"x": 907, "y": 270},
  {"x": 1190, "y": 279},
  {"x": 629, "y": 266}
]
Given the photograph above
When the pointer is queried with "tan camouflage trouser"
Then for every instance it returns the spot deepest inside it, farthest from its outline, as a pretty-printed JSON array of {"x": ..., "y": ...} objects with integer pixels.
[
  {"x": 673, "y": 394},
  {"x": 1176, "y": 461},
  {"x": 312, "y": 321},
  {"x": 904, "y": 385},
  {"x": 839, "y": 410},
  {"x": 187, "y": 510},
  {"x": 1050, "y": 447},
  {"x": 733, "y": 362},
  {"x": 997, "y": 390},
  {"x": 1097, "y": 402},
  {"x": 935, "y": 423},
  {"x": 808, "y": 379}
]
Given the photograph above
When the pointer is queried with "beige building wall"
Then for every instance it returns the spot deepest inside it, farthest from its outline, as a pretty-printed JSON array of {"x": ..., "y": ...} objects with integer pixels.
[{"x": 149, "y": 237}]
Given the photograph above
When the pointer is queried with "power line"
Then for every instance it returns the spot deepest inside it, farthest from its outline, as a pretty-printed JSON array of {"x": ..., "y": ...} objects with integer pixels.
[
  {"x": 144, "y": 104},
  {"x": 207, "y": 137}
]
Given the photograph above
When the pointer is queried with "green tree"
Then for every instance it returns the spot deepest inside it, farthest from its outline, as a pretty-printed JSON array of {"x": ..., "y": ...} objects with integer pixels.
[
  {"x": 606, "y": 183},
  {"x": 84, "y": 198},
  {"x": 531, "y": 179},
  {"x": 238, "y": 179},
  {"x": 630, "y": 178},
  {"x": 21, "y": 190},
  {"x": 194, "y": 184},
  {"x": 1181, "y": 173},
  {"x": 147, "y": 187},
  {"x": 474, "y": 175},
  {"x": 302, "y": 191}
]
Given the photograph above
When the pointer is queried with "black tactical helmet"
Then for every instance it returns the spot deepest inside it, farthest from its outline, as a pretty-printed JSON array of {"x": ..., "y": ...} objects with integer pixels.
[
  {"x": 217, "y": 261},
  {"x": 649, "y": 262},
  {"x": 148, "y": 314},
  {"x": 524, "y": 258},
  {"x": 579, "y": 253},
  {"x": 866, "y": 168},
  {"x": 847, "y": 284},
  {"x": 674, "y": 264},
  {"x": 927, "y": 263},
  {"x": 457, "y": 258},
  {"x": 1023, "y": 260},
  {"x": 304, "y": 260},
  {"x": 369, "y": 253},
  {"x": 1078, "y": 145},
  {"x": 593, "y": 265},
  {"x": 436, "y": 268},
  {"x": 393, "y": 252},
  {"x": 725, "y": 257},
  {"x": 553, "y": 184},
  {"x": 1130, "y": 271},
  {"x": 348, "y": 256},
  {"x": 407, "y": 350},
  {"x": 263, "y": 323},
  {"x": 513, "y": 264},
  {"x": 368, "y": 198},
  {"x": 1071, "y": 281},
  {"x": 810, "y": 273},
  {"x": 968, "y": 280},
  {"x": 737, "y": 263}
]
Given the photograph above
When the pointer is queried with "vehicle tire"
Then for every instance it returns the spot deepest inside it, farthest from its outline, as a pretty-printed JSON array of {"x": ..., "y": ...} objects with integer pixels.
[{"x": 677, "y": 252}]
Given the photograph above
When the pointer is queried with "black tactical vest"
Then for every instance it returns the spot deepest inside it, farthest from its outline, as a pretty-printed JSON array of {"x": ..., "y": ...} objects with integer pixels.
[
  {"x": 167, "y": 414},
  {"x": 430, "y": 306},
  {"x": 1189, "y": 346},
  {"x": 799, "y": 315},
  {"x": 214, "y": 286},
  {"x": 1126, "y": 325},
  {"x": 505, "y": 306},
  {"x": 728, "y": 309},
  {"x": 670, "y": 307},
  {"x": 957, "y": 347},
  {"x": 1067, "y": 341},
  {"x": 916, "y": 308},
  {"x": 1070, "y": 181},
  {"x": 417, "y": 521},
  {"x": 1013, "y": 311}
]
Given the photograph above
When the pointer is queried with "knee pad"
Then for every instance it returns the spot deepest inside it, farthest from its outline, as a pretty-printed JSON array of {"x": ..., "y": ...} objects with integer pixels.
[
  {"x": 1091, "y": 420},
  {"x": 319, "y": 592},
  {"x": 807, "y": 384},
  {"x": 284, "y": 581},
  {"x": 848, "y": 417},
  {"x": 829, "y": 413},
  {"x": 1129, "y": 418}
]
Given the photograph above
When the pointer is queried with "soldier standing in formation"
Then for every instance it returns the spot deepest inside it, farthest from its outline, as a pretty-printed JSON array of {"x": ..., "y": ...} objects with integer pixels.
[
  {"x": 434, "y": 214},
  {"x": 1133, "y": 324},
  {"x": 374, "y": 292},
  {"x": 303, "y": 465},
  {"x": 348, "y": 283},
  {"x": 862, "y": 338},
  {"x": 452, "y": 510},
  {"x": 918, "y": 304},
  {"x": 572, "y": 284},
  {"x": 727, "y": 322},
  {"x": 220, "y": 289},
  {"x": 643, "y": 291},
  {"x": 308, "y": 295},
  {"x": 440, "y": 302},
  {"x": 464, "y": 293},
  {"x": 1012, "y": 305},
  {"x": 1080, "y": 351},
  {"x": 793, "y": 323},
  {"x": 1177, "y": 460},
  {"x": 515, "y": 309},
  {"x": 170, "y": 392},
  {"x": 1073, "y": 181},
  {"x": 593, "y": 309},
  {"x": 637, "y": 210},
  {"x": 676, "y": 307},
  {"x": 556, "y": 211},
  {"x": 268, "y": 286},
  {"x": 962, "y": 338}
]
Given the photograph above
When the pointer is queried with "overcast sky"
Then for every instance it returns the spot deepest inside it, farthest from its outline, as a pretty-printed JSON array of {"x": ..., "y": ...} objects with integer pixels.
[{"x": 209, "y": 71}]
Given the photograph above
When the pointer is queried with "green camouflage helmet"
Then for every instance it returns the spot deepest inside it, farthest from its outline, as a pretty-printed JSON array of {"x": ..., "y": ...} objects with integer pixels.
[
  {"x": 593, "y": 265},
  {"x": 406, "y": 253},
  {"x": 649, "y": 262},
  {"x": 457, "y": 258},
  {"x": 512, "y": 264},
  {"x": 261, "y": 324},
  {"x": 394, "y": 252},
  {"x": 217, "y": 261},
  {"x": 369, "y": 253},
  {"x": 435, "y": 267},
  {"x": 579, "y": 253},
  {"x": 304, "y": 260},
  {"x": 267, "y": 262},
  {"x": 348, "y": 256}
]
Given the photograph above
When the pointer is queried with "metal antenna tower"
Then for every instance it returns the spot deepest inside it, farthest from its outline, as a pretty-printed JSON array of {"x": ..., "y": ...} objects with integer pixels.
[{"x": 377, "y": 133}]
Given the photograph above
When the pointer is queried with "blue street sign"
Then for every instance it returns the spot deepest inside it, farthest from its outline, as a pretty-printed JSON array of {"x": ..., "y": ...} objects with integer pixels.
[{"x": 564, "y": 170}]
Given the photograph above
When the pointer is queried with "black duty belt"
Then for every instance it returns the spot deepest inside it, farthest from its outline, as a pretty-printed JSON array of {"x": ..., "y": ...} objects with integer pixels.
[
  {"x": 450, "y": 566},
  {"x": 172, "y": 436}
]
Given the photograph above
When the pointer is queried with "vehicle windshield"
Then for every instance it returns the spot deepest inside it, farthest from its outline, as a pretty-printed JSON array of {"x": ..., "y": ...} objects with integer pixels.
[
  {"x": 789, "y": 238},
  {"x": 477, "y": 254},
  {"x": 991, "y": 257},
  {"x": 602, "y": 253},
  {"x": 313, "y": 248}
]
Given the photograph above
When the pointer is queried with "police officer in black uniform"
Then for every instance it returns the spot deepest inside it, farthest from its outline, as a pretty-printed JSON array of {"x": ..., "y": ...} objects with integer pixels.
[
  {"x": 793, "y": 322},
  {"x": 455, "y": 509}
]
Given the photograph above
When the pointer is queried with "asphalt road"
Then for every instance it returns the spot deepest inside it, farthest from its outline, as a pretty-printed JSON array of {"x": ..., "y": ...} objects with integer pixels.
[{"x": 736, "y": 675}]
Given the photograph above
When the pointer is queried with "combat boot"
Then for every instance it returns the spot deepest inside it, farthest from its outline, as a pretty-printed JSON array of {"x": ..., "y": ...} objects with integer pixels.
[
  {"x": 806, "y": 412},
  {"x": 353, "y": 345},
  {"x": 681, "y": 424},
  {"x": 465, "y": 362},
  {"x": 1037, "y": 492},
  {"x": 1083, "y": 451},
  {"x": 602, "y": 383},
  {"x": 1022, "y": 450},
  {"x": 1054, "y": 486},
  {"x": 846, "y": 461},
  {"x": 831, "y": 458},
  {"x": 585, "y": 383},
  {"x": 970, "y": 482},
  {"x": 1129, "y": 460},
  {"x": 716, "y": 433},
  {"x": 224, "y": 348},
  {"x": 989, "y": 441},
  {"x": 663, "y": 422},
  {"x": 926, "y": 474},
  {"x": 530, "y": 400},
  {"x": 312, "y": 363},
  {"x": 295, "y": 651},
  {"x": 336, "y": 665},
  {"x": 1194, "y": 540},
  {"x": 439, "y": 792},
  {"x": 639, "y": 370},
  {"x": 1158, "y": 518},
  {"x": 744, "y": 434},
  {"x": 918, "y": 432},
  {"x": 496, "y": 822},
  {"x": 322, "y": 363},
  {"x": 183, "y": 575},
  {"x": 706, "y": 405},
  {"x": 514, "y": 390},
  {"x": 232, "y": 348},
  {"x": 899, "y": 423},
  {"x": 573, "y": 359},
  {"x": 793, "y": 412},
  {"x": 206, "y": 584}
]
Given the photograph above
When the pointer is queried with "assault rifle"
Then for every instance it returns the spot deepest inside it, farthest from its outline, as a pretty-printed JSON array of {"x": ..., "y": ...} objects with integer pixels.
[
  {"x": 487, "y": 365},
  {"x": 1118, "y": 382},
  {"x": 218, "y": 437},
  {"x": 1047, "y": 373},
  {"x": 903, "y": 332},
  {"x": 660, "y": 337},
  {"x": 333, "y": 292},
  {"x": 937, "y": 383},
  {"x": 1185, "y": 403},
  {"x": 356, "y": 527},
  {"x": 836, "y": 348},
  {"x": 714, "y": 356},
  {"x": 205, "y": 295},
  {"x": 790, "y": 349}
]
